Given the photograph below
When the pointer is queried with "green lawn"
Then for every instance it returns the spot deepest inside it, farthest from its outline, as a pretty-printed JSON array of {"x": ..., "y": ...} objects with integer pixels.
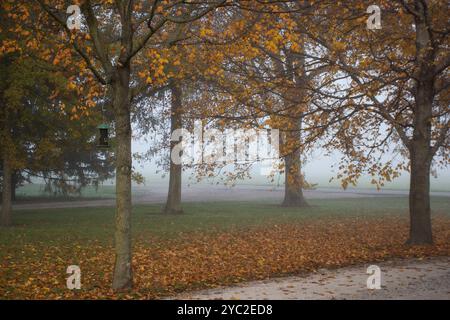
[{"x": 60, "y": 226}]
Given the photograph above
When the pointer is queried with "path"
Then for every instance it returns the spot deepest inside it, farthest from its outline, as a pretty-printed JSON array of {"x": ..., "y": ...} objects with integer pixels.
[
  {"x": 402, "y": 279},
  {"x": 201, "y": 193}
]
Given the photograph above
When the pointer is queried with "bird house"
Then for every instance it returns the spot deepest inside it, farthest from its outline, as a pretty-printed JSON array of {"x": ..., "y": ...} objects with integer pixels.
[{"x": 103, "y": 139}]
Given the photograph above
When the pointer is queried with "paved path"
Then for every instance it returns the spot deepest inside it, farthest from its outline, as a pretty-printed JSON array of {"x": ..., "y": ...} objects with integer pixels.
[
  {"x": 200, "y": 193},
  {"x": 403, "y": 279}
]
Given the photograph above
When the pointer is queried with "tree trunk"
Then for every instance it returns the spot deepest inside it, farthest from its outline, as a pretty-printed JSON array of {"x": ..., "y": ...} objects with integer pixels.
[
  {"x": 173, "y": 203},
  {"x": 420, "y": 162},
  {"x": 419, "y": 198},
  {"x": 13, "y": 186},
  {"x": 293, "y": 191},
  {"x": 293, "y": 184},
  {"x": 420, "y": 147},
  {"x": 122, "y": 278},
  {"x": 6, "y": 192}
]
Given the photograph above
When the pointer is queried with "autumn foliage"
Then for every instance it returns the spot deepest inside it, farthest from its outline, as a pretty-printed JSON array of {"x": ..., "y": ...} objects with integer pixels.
[
  {"x": 165, "y": 266},
  {"x": 312, "y": 69}
]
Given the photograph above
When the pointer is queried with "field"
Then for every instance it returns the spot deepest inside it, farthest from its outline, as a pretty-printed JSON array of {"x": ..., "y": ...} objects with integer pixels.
[
  {"x": 211, "y": 244},
  {"x": 35, "y": 192}
]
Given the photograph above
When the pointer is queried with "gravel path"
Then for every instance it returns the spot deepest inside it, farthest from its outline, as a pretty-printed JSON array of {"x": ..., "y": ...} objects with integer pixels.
[{"x": 402, "y": 279}]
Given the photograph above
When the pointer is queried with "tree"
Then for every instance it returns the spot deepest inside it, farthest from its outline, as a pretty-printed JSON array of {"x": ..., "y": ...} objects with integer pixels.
[
  {"x": 41, "y": 139},
  {"x": 7, "y": 174},
  {"x": 275, "y": 76},
  {"x": 112, "y": 43},
  {"x": 173, "y": 203},
  {"x": 401, "y": 73},
  {"x": 6, "y": 147}
]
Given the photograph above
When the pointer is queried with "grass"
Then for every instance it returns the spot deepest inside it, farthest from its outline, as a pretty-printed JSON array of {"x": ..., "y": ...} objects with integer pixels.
[
  {"x": 211, "y": 244},
  {"x": 87, "y": 224}
]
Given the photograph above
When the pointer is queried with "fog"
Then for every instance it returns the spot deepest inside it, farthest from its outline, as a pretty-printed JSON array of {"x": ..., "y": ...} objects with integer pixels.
[{"x": 319, "y": 169}]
